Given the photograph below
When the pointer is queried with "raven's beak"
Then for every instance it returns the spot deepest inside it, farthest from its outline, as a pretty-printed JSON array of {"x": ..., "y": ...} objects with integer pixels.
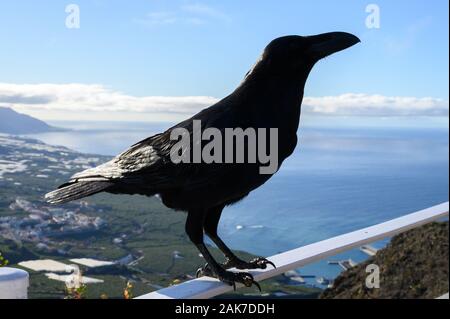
[{"x": 323, "y": 45}]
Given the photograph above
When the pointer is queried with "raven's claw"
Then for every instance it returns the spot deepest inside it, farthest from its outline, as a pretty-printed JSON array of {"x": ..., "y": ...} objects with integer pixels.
[
  {"x": 261, "y": 263},
  {"x": 204, "y": 271},
  {"x": 228, "y": 277},
  {"x": 244, "y": 278},
  {"x": 257, "y": 263}
]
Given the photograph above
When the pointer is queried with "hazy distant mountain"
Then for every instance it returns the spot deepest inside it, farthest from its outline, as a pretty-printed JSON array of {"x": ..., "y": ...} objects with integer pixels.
[{"x": 12, "y": 122}]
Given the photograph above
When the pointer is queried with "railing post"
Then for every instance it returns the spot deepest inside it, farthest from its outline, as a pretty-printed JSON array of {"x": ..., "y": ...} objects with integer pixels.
[{"x": 13, "y": 283}]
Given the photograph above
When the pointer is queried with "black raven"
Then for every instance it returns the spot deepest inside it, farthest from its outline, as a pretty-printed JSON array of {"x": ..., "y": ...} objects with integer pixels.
[{"x": 270, "y": 97}]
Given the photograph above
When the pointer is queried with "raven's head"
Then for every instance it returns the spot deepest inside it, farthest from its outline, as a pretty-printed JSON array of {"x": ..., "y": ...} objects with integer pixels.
[{"x": 296, "y": 55}]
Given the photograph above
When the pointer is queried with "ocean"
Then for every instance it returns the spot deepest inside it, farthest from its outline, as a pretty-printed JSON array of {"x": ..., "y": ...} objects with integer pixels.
[{"x": 338, "y": 180}]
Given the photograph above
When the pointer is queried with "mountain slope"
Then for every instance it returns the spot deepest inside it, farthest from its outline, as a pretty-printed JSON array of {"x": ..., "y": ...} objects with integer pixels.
[
  {"x": 413, "y": 266},
  {"x": 12, "y": 122}
]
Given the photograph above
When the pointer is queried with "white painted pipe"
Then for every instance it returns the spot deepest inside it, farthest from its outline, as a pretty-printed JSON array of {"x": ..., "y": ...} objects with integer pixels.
[{"x": 13, "y": 283}]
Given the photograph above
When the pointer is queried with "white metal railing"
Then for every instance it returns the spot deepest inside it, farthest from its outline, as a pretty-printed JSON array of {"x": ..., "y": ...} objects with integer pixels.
[{"x": 207, "y": 287}]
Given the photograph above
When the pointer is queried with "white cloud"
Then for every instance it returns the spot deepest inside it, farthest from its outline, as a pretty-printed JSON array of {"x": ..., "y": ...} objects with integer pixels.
[
  {"x": 70, "y": 101},
  {"x": 205, "y": 11},
  {"x": 398, "y": 44},
  {"x": 191, "y": 13},
  {"x": 80, "y": 99},
  {"x": 158, "y": 18},
  {"x": 376, "y": 105}
]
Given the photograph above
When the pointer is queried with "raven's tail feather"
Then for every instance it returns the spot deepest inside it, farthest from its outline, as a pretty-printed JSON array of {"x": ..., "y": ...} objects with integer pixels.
[{"x": 76, "y": 190}]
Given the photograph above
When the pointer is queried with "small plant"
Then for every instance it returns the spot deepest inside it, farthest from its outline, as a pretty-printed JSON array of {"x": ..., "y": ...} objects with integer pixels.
[
  {"x": 76, "y": 293},
  {"x": 75, "y": 289},
  {"x": 3, "y": 261},
  {"x": 127, "y": 292}
]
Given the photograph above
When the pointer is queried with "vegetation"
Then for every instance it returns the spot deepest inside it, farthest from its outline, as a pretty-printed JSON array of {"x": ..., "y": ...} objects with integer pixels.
[
  {"x": 127, "y": 292},
  {"x": 3, "y": 262},
  {"x": 76, "y": 293},
  {"x": 413, "y": 266}
]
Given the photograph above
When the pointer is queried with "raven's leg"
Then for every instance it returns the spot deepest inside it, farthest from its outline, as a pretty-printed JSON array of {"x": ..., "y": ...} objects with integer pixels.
[
  {"x": 194, "y": 229},
  {"x": 210, "y": 226}
]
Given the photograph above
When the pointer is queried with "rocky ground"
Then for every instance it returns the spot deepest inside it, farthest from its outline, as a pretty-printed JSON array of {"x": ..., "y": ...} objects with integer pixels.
[{"x": 413, "y": 266}]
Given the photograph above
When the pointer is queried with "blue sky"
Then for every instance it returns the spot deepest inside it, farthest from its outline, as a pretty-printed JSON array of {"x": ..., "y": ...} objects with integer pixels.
[{"x": 204, "y": 48}]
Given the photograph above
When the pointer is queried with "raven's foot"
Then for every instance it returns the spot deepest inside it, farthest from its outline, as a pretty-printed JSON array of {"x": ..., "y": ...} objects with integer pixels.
[
  {"x": 257, "y": 263},
  {"x": 228, "y": 277}
]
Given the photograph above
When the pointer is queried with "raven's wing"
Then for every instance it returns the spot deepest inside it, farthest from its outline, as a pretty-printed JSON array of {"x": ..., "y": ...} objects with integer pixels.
[
  {"x": 148, "y": 164},
  {"x": 139, "y": 157}
]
